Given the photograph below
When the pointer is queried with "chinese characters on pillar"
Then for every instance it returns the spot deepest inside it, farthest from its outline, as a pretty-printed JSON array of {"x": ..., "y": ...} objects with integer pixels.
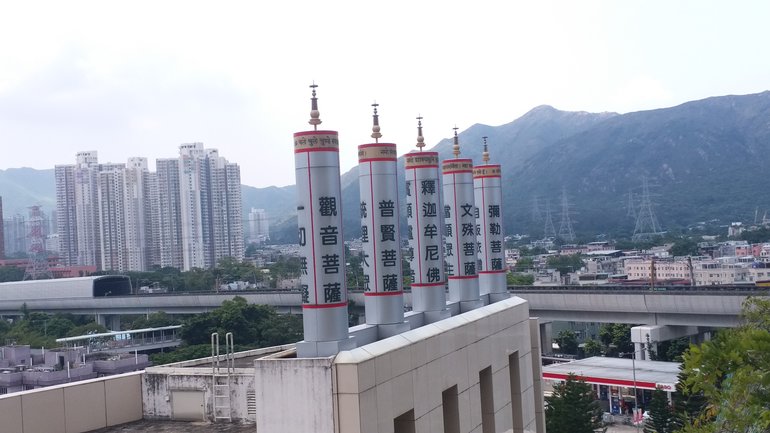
[
  {"x": 487, "y": 186},
  {"x": 379, "y": 219},
  {"x": 319, "y": 217},
  {"x": 460, "y": 229},
  {"x": 424, "y": 221}
]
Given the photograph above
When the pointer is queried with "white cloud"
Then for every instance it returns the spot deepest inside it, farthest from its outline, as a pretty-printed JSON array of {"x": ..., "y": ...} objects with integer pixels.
[{"x": 140, "y": 78}]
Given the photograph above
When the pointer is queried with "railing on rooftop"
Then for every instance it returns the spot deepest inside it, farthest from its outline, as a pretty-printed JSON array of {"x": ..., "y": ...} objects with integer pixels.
[{"x": 121, "y": 340}]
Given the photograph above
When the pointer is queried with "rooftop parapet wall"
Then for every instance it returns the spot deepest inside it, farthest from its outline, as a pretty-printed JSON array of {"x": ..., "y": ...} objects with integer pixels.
[
  {"x": 74, "y": 407},
  {"x": 365, "y": 389}
]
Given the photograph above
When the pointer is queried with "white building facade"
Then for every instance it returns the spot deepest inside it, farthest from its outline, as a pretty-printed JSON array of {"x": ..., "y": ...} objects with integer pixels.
[{"x": 123, "y": 217}]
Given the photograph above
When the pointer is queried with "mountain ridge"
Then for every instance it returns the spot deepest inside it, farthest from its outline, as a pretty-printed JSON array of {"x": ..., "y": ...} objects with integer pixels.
[{"x": 705, "y": 159}]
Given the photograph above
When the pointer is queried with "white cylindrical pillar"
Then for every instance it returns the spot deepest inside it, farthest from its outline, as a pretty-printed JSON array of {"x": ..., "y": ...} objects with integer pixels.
[
  {"x": 322, "y": 252},
  {"x": 380, "y": 234},
  {"x": 461, "y": 246},
  {"x": 487, "y": 188},
  {"x": 424, "y": 219}
]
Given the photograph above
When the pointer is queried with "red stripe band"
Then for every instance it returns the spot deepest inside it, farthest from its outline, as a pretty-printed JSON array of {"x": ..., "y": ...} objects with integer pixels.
[
  {"x": 317, "y": 149},
  {"x": 456, "y": 171},
  {"x": 383, "y": 293},
  {"x": 418, "y": 285},
  {"x": 463, "y": 277},
  {"x": 603, "y": 381},
  {"x": 492, "y": 272},
  {"x": 422, "y": 166},
  {"x": 314, "y": 306},
  {"x": 493, "y": 176}
]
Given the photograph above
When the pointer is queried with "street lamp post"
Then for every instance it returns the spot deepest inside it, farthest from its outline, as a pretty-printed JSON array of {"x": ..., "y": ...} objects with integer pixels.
[{"x": 636, "y": 393}]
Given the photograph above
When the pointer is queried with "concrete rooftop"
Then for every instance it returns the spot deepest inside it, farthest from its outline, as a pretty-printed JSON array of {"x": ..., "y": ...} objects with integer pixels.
[{"x": 147, "y": 426}]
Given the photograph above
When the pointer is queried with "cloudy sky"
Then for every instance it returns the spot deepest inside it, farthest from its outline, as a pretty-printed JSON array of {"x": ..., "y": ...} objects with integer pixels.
[{"x": 139, "y": 78}]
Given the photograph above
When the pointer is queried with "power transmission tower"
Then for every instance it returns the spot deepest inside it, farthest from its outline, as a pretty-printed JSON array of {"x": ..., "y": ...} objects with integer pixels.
[
  {"x": 37, "y": 264},
  {"x": 631, "y": 207},
  {"x": 647, "y": 225},
  {"x": 537, "y": 216},
  {"x": 565, "y": 227},
  {"x": 550, "y": 231}
]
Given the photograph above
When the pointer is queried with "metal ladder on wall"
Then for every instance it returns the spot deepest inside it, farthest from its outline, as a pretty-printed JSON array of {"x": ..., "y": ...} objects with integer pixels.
[{"x": 221, "y": 377}]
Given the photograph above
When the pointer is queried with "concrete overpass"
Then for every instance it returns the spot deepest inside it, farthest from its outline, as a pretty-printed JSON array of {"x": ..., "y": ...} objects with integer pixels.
[{"x": 683, "y": 306}]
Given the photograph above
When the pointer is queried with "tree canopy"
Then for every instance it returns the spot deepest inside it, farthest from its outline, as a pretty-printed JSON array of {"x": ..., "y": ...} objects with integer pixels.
[
  {"x": 572, "y": 408},
  {"x": 616, "y": 337},
  {"x": 663, "y": 418},
  {"x": 732, "y": 373},
  {"x": 684, "y": 247},
  {"x": 567, "y": 341},
  {"x": 519, "y": 279},
  {"x": 565, "y": 264},
  {"x": 251, "y": 324}
]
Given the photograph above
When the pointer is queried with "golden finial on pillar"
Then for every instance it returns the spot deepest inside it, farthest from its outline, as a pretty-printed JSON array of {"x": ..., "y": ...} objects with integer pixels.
[
  {"x": 456, "y": 146},
  {"x": 485, "y": 155},
  {"x": 420, "y": 138},
  {"x": 315, "y": 119},
  {"x": 376, "y": 124}
]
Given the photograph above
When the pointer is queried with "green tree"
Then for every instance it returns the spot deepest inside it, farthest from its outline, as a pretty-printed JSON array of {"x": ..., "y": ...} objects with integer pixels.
[
  {"x": 756, "y": 236},
  {"x": 572, "y": 408},
  {"x": 670, "y": 350},
  {"x": 567, "y": 341},
  {"x": 59, "y": 326},
  {"x": 231, "y": 270},
  {"x": 154, "y": 320},
  {"x": 684, "y": 247},
  {"x": 565, "y": 264},
  {"x": 662, "y": 417},
  {"x": 524, "y": 251},
  {"x": 197, "y": 279},
  {"x": 286, "y": 267},
  {"x": 732, "y": 373},
  {"x": 593, "y": 348},
  {"x": 252, "y": 325},
  {"x": 688, "y": 404},
  {"x": 617, "y": 338},
  {"x": 516, "y": 279},
  {"x": 524, "y": 264}
]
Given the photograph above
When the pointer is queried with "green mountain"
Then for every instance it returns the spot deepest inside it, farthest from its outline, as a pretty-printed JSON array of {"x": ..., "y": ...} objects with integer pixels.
[{"x": 704, "y": 160}]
